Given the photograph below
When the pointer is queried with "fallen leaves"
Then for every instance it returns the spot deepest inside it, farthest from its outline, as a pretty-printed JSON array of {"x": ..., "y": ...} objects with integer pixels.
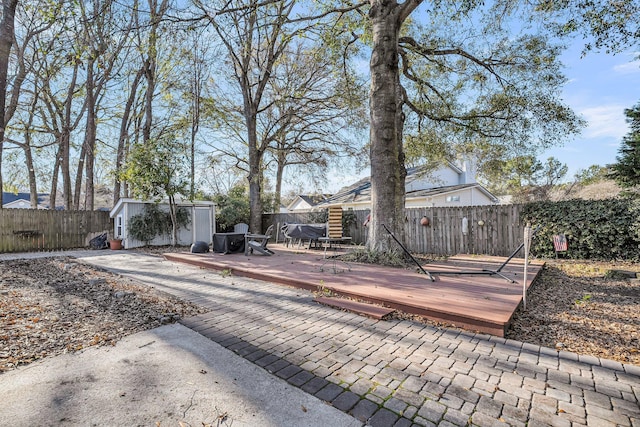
[
  {"x": 575, "y": 303},
  {"x": 50, "y": 306}
]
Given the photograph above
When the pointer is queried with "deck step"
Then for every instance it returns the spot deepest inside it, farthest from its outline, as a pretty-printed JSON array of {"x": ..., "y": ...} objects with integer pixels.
[{"x": 362, "y": 308}]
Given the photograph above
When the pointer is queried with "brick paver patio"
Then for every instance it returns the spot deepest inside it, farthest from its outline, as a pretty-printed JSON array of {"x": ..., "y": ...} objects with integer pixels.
[{"x": 394, "y": 373}]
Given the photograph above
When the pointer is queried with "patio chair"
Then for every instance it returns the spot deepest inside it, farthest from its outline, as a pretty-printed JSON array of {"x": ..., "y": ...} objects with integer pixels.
[
  {"x": 285, "y": 233},
  {"x": 334, "y": 228},
  {"x": 258, "y": 242},
  {"x": 334, "y": 236}
]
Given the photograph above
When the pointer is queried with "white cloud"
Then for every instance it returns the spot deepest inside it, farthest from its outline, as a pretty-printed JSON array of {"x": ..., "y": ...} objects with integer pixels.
[
  {"x": 606, "y": 121},
  {"x": 628, "y": 67}
]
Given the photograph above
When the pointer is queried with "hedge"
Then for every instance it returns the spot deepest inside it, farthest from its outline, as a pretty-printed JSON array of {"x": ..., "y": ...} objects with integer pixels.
[{"x": 595, "y": 229}]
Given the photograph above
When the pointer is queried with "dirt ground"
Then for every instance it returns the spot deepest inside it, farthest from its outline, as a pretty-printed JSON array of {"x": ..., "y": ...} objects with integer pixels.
[
  {"x": 585, "y": 307},
  {"x": 50, "y": 306}
]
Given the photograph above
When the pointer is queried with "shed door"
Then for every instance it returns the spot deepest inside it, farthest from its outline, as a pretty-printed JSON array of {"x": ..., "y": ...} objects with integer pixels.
[{"x": 202, "y": 225}]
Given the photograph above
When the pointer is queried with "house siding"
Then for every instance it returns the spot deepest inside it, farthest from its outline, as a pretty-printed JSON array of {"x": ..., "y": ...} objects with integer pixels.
[
  {"x": 468, "y": 197},
  {"x": 428, "y": 190},
  {"x": 436, "y": 179}
]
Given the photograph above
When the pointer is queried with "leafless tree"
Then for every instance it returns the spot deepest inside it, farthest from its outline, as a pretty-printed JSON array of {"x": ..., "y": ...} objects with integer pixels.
[{"x": 7, "y": 26}]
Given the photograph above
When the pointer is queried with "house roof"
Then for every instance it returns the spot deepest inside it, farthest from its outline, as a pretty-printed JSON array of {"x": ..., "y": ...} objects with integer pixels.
[
  {"x": 417, "y": 172},
  {"x": 314, "y": 199},
  {"x": 360, "y": 192},
  {"x": 436, "y": 191},
  {"x": 8, "y": 197},
  {"x": 310, "y": 200}
]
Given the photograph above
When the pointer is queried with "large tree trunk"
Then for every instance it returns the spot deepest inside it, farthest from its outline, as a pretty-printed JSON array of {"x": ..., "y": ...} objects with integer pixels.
[
  {"x": 157, "y": 11},
  {"x": 196, "y": 93},
  {"x": 148, "y": 105},
  {"x": 192, "y": 160},
  {"x": 86, "y": 158},
  {"x": 65, "y": 141},
  {"x": 254, "y": 56},
  {"x": 31, "y": 173},
  {"x": 77, "y": 192},
  {"x": 28, "y": 154},
  {"x": 65, "y": 168},
  {"x": 6, "y": 40},
  {"x": 387, "y": 159},
  {"x": 255, "y": 172},
  {"x": 174, "y": 222},
  {"x": 53, "y": 194},
  {"x": 277, "y": 197},
  {"x": 124, "y": 133}
]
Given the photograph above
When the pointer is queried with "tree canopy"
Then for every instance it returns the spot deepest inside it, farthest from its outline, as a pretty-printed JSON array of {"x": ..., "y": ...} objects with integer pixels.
[
  {"x": 626, "y": 170},
  {"x": 89, "y": 84},
  {"x": 525, "y": 178},
  {"x": 156, "y": 169}
]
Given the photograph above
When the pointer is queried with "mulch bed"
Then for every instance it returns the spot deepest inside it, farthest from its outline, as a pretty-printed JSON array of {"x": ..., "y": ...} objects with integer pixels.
[{"x": 583, "y": 307}]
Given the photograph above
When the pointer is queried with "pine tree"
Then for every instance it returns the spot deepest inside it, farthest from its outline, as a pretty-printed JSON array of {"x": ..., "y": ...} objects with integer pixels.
[{"x": 626, "y": 170}]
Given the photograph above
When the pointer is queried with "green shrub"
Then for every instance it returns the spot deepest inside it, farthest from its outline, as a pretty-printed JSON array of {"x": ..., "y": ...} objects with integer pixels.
[
  {"x": 595, "y": 229},
  {"x": 349, "y": 218},
  {"x": 232, "y": 208},
  {"x": 153, "y": 222},
  {"x": 318, "y": 217}
]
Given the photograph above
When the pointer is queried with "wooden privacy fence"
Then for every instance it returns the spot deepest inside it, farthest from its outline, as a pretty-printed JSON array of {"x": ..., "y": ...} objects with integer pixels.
[
  {"x": 485, "y": 230},
  {"x": 29, "y": 230}
]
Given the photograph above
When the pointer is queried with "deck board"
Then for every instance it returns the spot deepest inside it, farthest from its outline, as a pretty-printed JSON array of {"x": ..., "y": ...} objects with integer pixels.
[
  {"x": 375, "y": 311},
  {"x": 476, "y": 302}
]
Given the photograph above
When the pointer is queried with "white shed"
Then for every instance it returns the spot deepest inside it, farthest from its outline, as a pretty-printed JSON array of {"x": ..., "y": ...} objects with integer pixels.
[{"x": 201, "y": 227}]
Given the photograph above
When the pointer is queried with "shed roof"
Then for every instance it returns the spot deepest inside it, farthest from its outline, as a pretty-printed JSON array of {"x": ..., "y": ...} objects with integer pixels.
[{"x": 182, "y": 202}]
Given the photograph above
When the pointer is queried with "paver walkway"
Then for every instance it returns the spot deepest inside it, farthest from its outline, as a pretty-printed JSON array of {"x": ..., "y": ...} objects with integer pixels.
[{"x": 394, "y": 373}]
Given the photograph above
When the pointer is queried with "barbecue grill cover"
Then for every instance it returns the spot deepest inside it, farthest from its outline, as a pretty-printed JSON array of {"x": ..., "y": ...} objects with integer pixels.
[{"x": 199, "y": 247}]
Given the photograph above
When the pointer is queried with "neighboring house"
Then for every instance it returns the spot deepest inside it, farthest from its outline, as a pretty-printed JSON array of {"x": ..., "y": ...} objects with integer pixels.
[
  {"x": 306, "y": 203},
  {"x": 448, "y": 185},
  {"x": 201, "y": 228},
  {"x": 21, "y": 200}
]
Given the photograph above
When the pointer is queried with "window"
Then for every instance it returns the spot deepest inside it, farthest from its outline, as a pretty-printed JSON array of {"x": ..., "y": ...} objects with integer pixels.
[
  {"x": 119, "y": 226},
  {"x": 453, "y": 199}
]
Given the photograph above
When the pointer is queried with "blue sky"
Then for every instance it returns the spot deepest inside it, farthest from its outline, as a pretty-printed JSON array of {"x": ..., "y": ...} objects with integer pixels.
[{"x": 600, "y": 87}]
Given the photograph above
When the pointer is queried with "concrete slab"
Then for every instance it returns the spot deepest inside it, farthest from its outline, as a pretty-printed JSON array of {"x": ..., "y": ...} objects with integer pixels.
[{"x": 166, "y": 376}]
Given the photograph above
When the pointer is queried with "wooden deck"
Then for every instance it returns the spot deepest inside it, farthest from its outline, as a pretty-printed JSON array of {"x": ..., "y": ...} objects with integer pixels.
[{"x": 482, "y": 302}]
